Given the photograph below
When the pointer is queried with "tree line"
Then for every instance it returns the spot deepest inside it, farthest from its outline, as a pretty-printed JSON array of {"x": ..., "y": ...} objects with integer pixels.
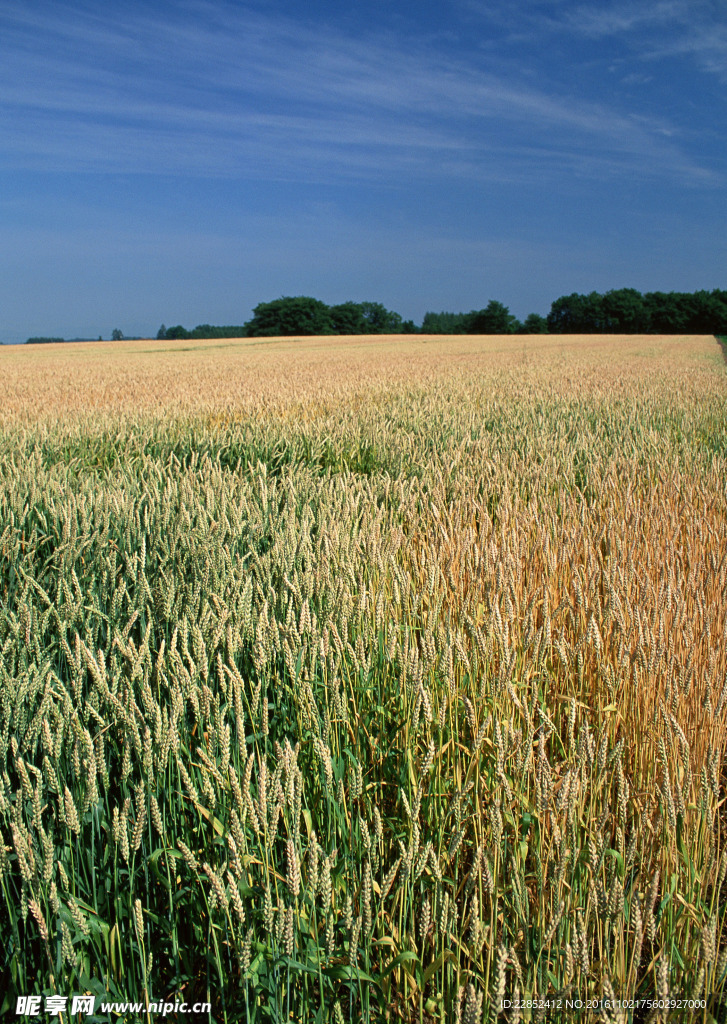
[
  {"x": 627, "y": 311},
  {"x": 620, "y": 311},
  {"x": 303, "y": 315}
]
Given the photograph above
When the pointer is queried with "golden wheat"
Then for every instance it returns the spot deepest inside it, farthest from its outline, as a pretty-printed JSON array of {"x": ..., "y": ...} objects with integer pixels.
[{"x": 391, "y": 672}]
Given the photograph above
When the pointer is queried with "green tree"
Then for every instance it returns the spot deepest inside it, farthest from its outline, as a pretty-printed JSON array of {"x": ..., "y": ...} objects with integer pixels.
[
  {"x": 214, "y": 331},
  {"x": 162, "y": 333},
  {"x": 624, "y": 312},
  {"x": 290, "y": 315},
  {"x": 699, "y": 312},
  {"x": 175, "y": 333},
  {"x": 577, "y": 314},
  {"x": 533, "y": 323},
  {"x": 705, "y": 312},
  {"x": 493, "y": 319},
  {"x": 347, "y": 318},
  {"x": 116, "y": 335},
  {"x": 379, "y": 320},
  {"x": 445, "y": 323}
]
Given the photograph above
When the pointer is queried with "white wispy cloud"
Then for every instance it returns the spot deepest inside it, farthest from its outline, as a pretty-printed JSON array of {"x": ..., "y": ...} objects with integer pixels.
[
  {"x": 651, "y": 29},
  {"x": 655, "y": 29},
  {"x": 231, "y": 91},
  {"x": 599, "y": 20},
  {"x": 707, "y": 45}
]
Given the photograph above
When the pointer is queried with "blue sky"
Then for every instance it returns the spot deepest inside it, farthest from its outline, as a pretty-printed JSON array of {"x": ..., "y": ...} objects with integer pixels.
[{"x": 183, "y": 161}]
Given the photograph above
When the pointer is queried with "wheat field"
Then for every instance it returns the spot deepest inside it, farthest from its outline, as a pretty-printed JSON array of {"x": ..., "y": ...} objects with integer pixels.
[{"x": 362, "y": 679}]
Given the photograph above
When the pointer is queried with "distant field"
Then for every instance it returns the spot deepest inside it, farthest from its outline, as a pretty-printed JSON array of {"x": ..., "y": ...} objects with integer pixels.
[
  {"x": 365, "y": 678},
  {"x": 182, "y": 377}
]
